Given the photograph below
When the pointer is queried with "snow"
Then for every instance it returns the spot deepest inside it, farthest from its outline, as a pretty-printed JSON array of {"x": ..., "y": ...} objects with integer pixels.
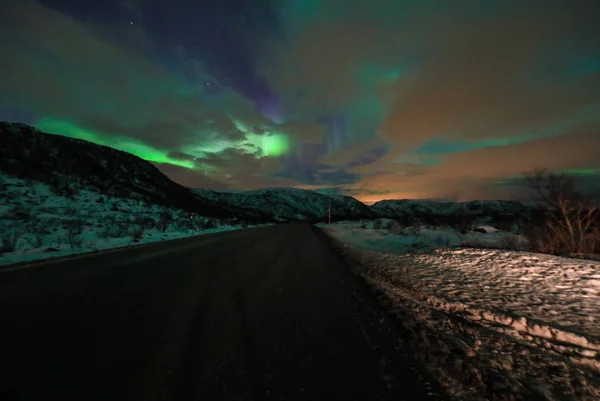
[
  {"x": 40, "y": 224},
  {"x": 518, "y": 315},
  {"x": 393, "y": 238},
  {"x": 486, "y": 229}
]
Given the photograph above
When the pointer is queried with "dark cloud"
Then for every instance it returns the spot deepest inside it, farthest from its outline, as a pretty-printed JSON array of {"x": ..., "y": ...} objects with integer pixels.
[
  {"x": 305, "y": 132},
  {"x": 513, "y": 79},
  {"x": 60, "y": 67},
  {"x": 401, "y": 98},
  {"x": 473, "y": 174}
]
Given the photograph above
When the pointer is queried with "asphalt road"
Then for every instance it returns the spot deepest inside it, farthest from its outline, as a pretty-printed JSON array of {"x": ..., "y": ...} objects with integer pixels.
[{"x": 261, "y": 314}]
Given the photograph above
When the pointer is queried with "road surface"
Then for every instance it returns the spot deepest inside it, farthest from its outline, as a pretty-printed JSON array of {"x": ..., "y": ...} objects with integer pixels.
[{"x": 262, "y": 314}]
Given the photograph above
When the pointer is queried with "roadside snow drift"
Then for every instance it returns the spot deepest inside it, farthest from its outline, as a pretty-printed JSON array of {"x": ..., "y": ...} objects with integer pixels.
[
  {"x": 520, "y": 324},
  {"x": 36, "y": 223}
]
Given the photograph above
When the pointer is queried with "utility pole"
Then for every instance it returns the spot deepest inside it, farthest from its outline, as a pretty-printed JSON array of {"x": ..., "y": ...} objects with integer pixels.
[{"x": 329, "y": 213}]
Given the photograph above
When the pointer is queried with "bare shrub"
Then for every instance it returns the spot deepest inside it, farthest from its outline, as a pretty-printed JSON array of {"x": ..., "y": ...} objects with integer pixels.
[
  {"x": 73, "y": 231},
  {"x": 207, "y": 224},
  {"x": 506, "y": 223},
  {"x": 113, "y": 228},
  {"x": 571, "y": 225},
  {"x": 440, "y": 240},
  {"x": 462, "y": 222},
  {"x": 104, "y": 231},
  {"x": 146, "y": 223},
  {"x": 510, "y": 242},
  {"x": 407, "y": 219},
  {"x": 38, "y": 241},
  {"x": 185, "y": 223},
  {"x": 9, "y": 242},
  {"x": 61, "y": 188},
  {"x": 75, "y": 225},
  {"x": 136, "y": 232},
  {"x": 378, "y": 224},
  {"x": 18, "y": 212},
  {"x": 70, "y": 211},
  {"x": 226, "y": 222},
  {"x": 164, "y": 221},
  {"x": 414, "y": 230},
  {"x": 395, "y": 228}
]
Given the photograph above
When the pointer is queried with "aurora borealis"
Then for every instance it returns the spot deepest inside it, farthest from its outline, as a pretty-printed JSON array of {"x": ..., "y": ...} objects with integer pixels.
[{"x": 375, "y": 99}]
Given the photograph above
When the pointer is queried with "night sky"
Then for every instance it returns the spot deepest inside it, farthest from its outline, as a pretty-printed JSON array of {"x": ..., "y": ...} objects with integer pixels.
[{"x": 377, "y": 99}]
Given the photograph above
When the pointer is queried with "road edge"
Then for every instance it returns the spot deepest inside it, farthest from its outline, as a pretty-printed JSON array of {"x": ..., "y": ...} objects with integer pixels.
[
  {"x": 83, "y": 255},
  {"x": 382, "y": 301}
]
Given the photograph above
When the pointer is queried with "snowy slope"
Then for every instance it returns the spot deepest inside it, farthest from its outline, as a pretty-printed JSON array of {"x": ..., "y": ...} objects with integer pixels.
[
  {"x": 517, "y": 325},
  {"x": 37, "y": 223},
  {"x": 65, "y": 163},
  {"x": 68, "y": 164}
]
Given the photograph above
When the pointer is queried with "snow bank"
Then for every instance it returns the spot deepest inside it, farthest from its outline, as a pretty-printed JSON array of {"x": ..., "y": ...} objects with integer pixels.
[
  {"x": 385, "y": 235},
  {"x": 513, "y": 324},
  {"x": 36, "y": 223}
]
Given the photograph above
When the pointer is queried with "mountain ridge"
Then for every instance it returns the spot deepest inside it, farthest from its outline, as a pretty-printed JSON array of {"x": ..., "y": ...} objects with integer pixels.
[{"x": 68, "y": 163}]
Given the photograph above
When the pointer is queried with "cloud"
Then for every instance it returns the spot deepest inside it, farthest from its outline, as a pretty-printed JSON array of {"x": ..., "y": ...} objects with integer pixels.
[
  {"x": 355, "y": 152},
  {"x": 475, "y": 174},
  {"x": 60, "y": 68},
  {"x": 381, "y": 98},
  {"x": 305, "y": 132},
  {"x": 488, "y": 83},
  {"x": 84, "y": 82},
  {"x": 467, "y": 70}
]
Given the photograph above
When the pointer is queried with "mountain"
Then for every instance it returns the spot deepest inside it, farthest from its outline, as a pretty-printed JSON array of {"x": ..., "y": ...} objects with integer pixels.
[
  {"x": 69, "y": 165},
  {"x": 395, "y": 208},
  {"x": 291, "y": 204},
  {"x": 499, "y": 213}
]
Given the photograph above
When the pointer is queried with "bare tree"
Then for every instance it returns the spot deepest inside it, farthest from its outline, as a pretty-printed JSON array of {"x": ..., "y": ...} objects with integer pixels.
[{"x": 572, "y": 218}]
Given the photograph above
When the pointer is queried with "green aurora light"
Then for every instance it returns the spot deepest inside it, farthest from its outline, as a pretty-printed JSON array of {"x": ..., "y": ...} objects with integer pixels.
[
  {"x": 137, "y": 148},
  {"x": 268, "y": 144}
]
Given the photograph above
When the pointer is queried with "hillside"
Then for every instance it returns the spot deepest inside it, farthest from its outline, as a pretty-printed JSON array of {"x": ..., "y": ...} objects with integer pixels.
[
  {"x": 433, "y": 212},
  {"x": 391, "y": 208},
  {"x": 291, "y": 204},
  {"x": 68, "y": 165}
]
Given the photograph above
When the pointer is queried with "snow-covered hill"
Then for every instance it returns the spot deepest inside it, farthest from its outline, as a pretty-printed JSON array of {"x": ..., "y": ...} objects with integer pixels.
[
  {"x": 38, "y": 223},
  {"x": 501, "y": 213},
  {"x": 393, "y": 208},
  {"x": 68, "y": 165}
]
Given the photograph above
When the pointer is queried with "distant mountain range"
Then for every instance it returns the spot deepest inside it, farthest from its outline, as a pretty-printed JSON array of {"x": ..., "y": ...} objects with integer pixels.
[{"x": 69, "y": 164}]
